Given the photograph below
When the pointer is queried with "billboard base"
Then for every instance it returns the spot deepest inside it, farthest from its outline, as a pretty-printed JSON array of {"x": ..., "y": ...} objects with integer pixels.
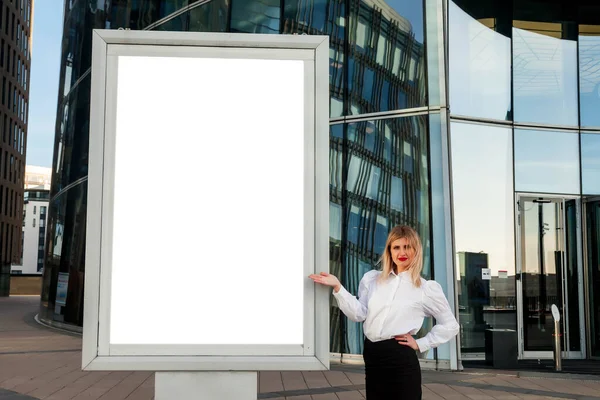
[{"x": 226, "y": 385}]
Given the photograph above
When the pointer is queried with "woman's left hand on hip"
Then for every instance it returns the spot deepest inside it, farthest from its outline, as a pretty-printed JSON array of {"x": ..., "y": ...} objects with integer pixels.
[{"x": 407, "y": 340}]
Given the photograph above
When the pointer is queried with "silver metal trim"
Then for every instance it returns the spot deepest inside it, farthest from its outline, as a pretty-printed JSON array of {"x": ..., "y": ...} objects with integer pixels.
[
  {"x": 106, "y": 212},
  {"x": 214, "y": 363},
  {"x": 556, "y": 128},
  {"x": 387, "y": 114},
  {"x": 68, "y": 187},
  {"x": 591, "y": 129},
  {"x": 89, "y": 348},
  {"x": 479, "y": 121},
  {"x": 446, "y": 218}
]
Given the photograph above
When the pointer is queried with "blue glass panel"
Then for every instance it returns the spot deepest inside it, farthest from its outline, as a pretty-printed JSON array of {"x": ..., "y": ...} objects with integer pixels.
[
  {"x": 546, "y": 161},
  {"x": 479, "y": 64},
  {"x": 589, "y": 80},
  {"x": 545, "y": 76},
  {"x": 590, "y": 163}
]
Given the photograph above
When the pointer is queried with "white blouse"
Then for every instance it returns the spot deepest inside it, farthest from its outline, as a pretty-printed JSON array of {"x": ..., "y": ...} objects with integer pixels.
[{"x": 396, "y": 307}]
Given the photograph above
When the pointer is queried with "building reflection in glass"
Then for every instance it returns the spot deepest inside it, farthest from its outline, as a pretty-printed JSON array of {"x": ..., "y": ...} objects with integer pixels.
[
  {"x": 589, "y": 74},
  {"x": 386, "y": 63},
  {"x": 483, "y": 230},
  {"x": 480, "y": 59},
  {"x": 387, "y": 184},
  {"x": 545, "y": 73}
]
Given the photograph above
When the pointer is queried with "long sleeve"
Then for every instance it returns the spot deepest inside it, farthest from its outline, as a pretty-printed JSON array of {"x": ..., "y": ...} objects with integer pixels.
[
  {"x": 436, "y": 305},
  {"x": 356, "y": 308}
]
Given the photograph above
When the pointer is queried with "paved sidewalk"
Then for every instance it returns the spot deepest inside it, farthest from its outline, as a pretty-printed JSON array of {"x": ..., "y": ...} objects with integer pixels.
[{"x": 41, "y": 363}]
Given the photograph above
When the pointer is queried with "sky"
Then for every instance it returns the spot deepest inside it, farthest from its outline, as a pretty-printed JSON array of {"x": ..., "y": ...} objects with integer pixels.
[{"x": 45, "y": 66}]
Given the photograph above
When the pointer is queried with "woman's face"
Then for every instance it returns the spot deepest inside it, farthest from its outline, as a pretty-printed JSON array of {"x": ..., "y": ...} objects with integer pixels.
[{"x": 402, "y": 254}]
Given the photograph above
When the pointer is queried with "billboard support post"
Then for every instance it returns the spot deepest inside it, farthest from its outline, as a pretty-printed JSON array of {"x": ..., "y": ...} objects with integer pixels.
[{"x": 205, "y": 385}]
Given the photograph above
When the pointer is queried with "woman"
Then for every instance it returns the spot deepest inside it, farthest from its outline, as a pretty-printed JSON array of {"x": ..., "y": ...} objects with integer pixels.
[{"x": 393, "y": 303}]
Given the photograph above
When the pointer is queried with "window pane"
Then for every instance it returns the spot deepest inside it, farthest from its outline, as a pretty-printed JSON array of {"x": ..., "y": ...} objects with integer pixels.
[
  {"x": 546, "y": 162},
  {"x": 386, "y": 64},
  {"x": 385, "y": 187},
  {"x": 480, "y": 62},
  {"x": 589, "y": 75},
  {"x": 590, "y": 163},
  {"x": 255, "y": 16},
  {"x": 545, "y": 74},
  {"x": 322, "y": 17},
  {"x": 483, "y": 230}
]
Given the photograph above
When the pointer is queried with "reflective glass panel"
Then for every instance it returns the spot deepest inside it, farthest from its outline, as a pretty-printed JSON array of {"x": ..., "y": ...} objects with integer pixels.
[
  {"x": 483, "y": 231},
  {"x": 387, "y": 184},
  {"x": 590, "y": 163},
  {"x": 544, "y": 74},
  {"x": 322, "y": 17},
  {"x": 386, "y": 64},
  {"x": 62, "y": 287},
  {"x": 592, "y": 235},
  {"x": 542, "y": 236},
  {"x": 480, "y": 61},
  {"x": 546, "y": 161},
  {"x": 589, "y": 74},
  {"x": 255, "y": 16},
  {"x": 210, "y": 17}
]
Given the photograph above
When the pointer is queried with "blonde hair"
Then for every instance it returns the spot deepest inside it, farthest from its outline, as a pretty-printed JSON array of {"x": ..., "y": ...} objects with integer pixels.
[{"x": 416, "y": 266}]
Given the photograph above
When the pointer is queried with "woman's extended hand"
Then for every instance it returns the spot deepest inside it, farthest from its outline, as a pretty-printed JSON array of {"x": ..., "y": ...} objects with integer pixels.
[
  {"x": 327, "y": 279},
  {"x": 407, "y": 340}
]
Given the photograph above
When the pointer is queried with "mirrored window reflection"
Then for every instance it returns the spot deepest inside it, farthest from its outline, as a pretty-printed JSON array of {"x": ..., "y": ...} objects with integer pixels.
[
  {"x": 322, "y": 17},
  {"x": 210, "y": 17},
  {"x": 386, "y": 63},
  {"x": 387, "y": 184},
  {"x": 480, "y": 61},
  {"x": 483, "y": 231},
  {"x": 589, "y": 74},
  {"x": 258, "y": 16},
  {"x": 590, "y": 163},
  {"x": 336, "y": 158},
  {"x": 62, "y": 287},
  {"x": 546, "y": 161},
  {"x": 545, "y": 73}
]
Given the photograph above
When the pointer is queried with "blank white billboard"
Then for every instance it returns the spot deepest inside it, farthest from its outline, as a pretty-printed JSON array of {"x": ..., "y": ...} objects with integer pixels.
[{"x": 207, "y": 202}]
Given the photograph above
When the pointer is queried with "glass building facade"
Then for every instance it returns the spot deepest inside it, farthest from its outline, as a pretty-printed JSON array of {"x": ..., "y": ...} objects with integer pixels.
[
  {"x": 524, "y": 134},
  {"x": 472, "y": 121}
]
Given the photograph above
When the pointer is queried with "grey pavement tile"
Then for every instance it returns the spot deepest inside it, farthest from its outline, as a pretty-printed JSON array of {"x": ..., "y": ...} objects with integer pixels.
[
  {"x": 325, "y": 396},
  {"x": 500, "y": 395},
  {"x": 270, "y": 381},
  {"x": 354, "y": 395},
  {"x": 430, "y": 395},
  {"x": 445, "y": 392},
  {"x": 473, "y": 393},
  {"x": 514, "y": 392},
  {"x": 10, "y": 395},
  {"x": 293, "y": 380},
  {"x": 315, "y": 379},
  {"x": 337, "y": 378}
]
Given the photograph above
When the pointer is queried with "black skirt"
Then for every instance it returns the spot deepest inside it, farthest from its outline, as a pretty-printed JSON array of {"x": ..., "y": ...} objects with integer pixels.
[{"x": 392, "y": 371}]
